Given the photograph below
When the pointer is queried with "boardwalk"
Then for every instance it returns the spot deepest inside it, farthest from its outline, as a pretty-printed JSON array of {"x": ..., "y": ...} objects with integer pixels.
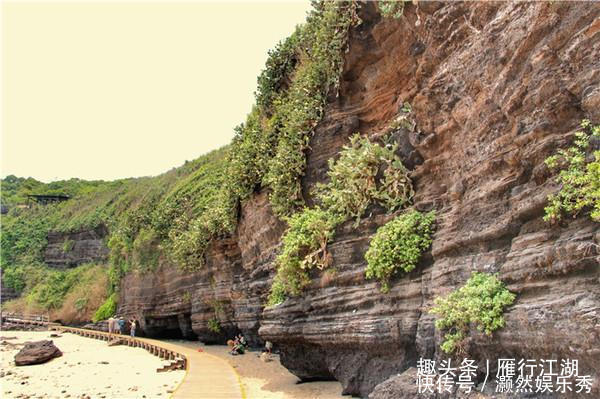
[{"x": 206, "y": 375}]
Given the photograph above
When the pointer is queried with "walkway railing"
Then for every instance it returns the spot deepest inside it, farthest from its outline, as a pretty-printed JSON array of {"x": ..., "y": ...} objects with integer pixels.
[
  {"x": 206, "y": 376},
  {"x": 19, "y": 318},
  {"x": 178, "y": 360}
]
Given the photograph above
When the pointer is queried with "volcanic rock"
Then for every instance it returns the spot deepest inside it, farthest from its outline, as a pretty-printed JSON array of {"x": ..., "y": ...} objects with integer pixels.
[
  {"x": 36, "y": 353},
  {"x": 495, "y": 88}
]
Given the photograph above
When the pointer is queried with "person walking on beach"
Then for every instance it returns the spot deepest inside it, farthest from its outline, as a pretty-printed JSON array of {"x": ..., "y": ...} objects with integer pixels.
[{"x": 132, "y": 330}]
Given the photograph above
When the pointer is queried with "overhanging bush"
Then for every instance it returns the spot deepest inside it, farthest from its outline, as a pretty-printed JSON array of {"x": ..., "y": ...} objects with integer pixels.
[
  {"x": 354, "y": 181},
  {"x": 481, "y": 301},
  {"x": 304, "y": 246},
  {"x": 398, "y": 245},
  {"x": 579, "y": 177},
  {"x": 365, "y": 173}
]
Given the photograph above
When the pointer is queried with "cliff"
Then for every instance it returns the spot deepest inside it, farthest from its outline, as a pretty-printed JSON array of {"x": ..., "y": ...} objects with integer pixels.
[
  {"x": 70, "y": 249},
  {"x": 6, "y": 293},
  {"x": 495, "y": 88}
]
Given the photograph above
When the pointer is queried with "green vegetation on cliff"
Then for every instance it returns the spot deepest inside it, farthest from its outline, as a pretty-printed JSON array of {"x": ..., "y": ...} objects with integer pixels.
[
  {"x": 579, "y": 177},
  {"x": 481, "y": 301},
  {"x": 107, "y": 309},
  {"x": 174, "y": 217},
  {"x": 398, "y": 245},
  {"x": 366, "y": 173},
  {"x": 269, "y": 149},
  {"x": 391, "y": 8},
  {"x": 72, "y": 295},
  {"x": 144, "y": 216},
  {"x": 304, "y": 247}
]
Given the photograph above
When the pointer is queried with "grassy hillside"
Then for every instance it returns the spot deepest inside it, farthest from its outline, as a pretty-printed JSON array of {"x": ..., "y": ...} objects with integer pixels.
[
  {"x": 141, "y": 215},
  {"x": 176, "y": 215}
]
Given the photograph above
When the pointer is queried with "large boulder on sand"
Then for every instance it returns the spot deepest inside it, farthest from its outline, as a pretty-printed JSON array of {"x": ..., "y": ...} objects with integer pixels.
[{"x": 36, "y": 353}]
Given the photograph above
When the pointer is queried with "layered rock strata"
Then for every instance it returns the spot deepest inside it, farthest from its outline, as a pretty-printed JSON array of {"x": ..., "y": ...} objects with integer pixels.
[
  {"x": 495, "y": 88},
  {"x": 65, "y": 250}
]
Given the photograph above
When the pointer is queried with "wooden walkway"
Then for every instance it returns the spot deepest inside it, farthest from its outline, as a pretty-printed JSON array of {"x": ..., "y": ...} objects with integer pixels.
[{"x": 206, "y": 376}]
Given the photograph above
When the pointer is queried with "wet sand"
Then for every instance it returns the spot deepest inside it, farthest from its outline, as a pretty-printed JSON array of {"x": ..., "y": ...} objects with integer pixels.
[
  {"x": 82, "y": 371},
  {"x": 269, "y": 380}
]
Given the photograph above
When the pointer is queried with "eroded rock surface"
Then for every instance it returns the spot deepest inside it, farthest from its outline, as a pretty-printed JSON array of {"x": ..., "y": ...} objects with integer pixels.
[
  {"x": 6, "y": 293},
  {"x": 495, "y": 88},
  {"x": 66, "y": 250}
]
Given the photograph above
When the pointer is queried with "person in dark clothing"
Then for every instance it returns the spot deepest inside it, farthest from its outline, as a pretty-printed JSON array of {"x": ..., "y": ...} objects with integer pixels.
[
  {"x": 121, "y": 325},
  {"x": 239, "y": 345}
]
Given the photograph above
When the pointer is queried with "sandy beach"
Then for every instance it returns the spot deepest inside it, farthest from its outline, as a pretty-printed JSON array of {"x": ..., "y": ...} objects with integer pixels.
[
  {"x": 88, "y": 368},
  {"x": 269, "y": 380}
]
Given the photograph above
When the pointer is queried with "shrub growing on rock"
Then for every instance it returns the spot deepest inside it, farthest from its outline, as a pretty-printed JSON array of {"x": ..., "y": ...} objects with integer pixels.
[
  {"x": 391, "y": 8},
  {"x": 304, "y": 247},
  {"x": 68, "y": 246},
  {"x": 365, "y": 173},
  {"x": 397, "y": 246},
  {"x": 354, "y": 181},
  {"x": 579, "y": 177},
  {"x": 214, "y": 325},
  {"x": 481, "y": 301}
]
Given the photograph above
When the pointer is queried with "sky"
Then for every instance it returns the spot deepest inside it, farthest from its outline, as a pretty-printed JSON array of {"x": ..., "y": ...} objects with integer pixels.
[{"x": 106, "y": 90}]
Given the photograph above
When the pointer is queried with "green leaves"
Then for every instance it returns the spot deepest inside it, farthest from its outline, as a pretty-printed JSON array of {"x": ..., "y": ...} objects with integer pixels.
[
  {"x": 278, "y": 69},
  {"x": 107, "y": 309},
  {"x": 304, "y": 246},
  {"x": 579, "y": 177},
  {"x": 354, "y": 183},
  {"x": 320, "y": 46},
  {"x": 397, "y": 246},
  {"x": 391, "y": 8},
  {"x": 14, "y": 278},
  {"x": 67, "y": 245},
  {"x": 481, "y": 301},
  {"x": 214, "y": 325}
]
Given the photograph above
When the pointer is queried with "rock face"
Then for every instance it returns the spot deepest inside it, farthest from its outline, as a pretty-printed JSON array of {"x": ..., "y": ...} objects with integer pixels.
[
  {"x": 6, "y": 293},
  {"x": 66, "y": 250},
  {"x": 36, "y": 353},
  {"x": 232, "y": 286},
  {"x": 495, "y": 88}
]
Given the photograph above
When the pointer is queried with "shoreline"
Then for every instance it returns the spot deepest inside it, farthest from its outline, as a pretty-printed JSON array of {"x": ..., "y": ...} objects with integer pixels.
[
  {"x": 268, "y": 380},
  {"x": 87, "y": 368}
]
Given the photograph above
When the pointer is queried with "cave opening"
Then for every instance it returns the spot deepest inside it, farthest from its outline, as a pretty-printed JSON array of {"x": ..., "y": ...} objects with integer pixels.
[{"x": 177, "y": 326}]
